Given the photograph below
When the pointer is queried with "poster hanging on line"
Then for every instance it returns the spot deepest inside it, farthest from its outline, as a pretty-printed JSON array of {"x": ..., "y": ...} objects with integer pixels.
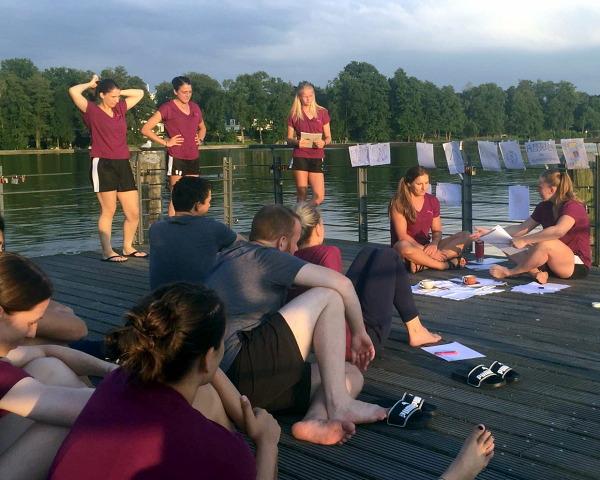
[
  {"x": 359, "y": 155},
  {"x": 425, "y": 155},
  {"x": 575, "y": 153},
  {"x": 449, "y": 194},
  {"x": 488, "y": 154},
  {"x": 454, "y": 157},
  {"x": 542, "y": 153},
  {"x": 379, "y": 154},
  {"x": 518, "y": 202},
  {"x": 511, "y": 155}
]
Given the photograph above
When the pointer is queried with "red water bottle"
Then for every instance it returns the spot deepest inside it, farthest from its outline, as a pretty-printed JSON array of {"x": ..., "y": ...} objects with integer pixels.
[{"x": 479, "y": 251}]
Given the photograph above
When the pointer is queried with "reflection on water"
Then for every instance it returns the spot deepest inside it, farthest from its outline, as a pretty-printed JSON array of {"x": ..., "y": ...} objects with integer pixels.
[{"x": 56, "y": 211}]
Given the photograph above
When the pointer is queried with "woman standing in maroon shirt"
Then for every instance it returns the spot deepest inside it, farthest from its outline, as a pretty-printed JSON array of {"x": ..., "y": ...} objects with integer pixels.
[
  {"x": 416, "y": 226},
  {"x": 185, "y": 126},
  {"x": 110, "y": 172},
  {"x": 306, "y": 116}
]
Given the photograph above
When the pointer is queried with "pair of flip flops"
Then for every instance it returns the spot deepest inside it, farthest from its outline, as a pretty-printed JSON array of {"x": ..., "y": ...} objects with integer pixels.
[
  {"x": 495, "y": 376},
  {"x": 411, "y": 411}
]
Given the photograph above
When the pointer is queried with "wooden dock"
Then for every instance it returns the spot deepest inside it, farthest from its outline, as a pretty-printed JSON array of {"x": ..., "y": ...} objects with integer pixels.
[{"x": 546, "y": 427}]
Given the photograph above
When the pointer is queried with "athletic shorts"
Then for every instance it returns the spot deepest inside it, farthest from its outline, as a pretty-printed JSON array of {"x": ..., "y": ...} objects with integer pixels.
[
  {"x": 270, "y": 370},
  {"x": 108, "y": 175},
  {"x": 177, "y": 166},
  {"x": 313, "y": 165}
]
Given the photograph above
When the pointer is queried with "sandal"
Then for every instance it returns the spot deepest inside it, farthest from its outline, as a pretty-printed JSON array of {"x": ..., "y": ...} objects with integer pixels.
[
  {"x": 479, "y": 377},
  {"x": 504, "y": 371},
  {"x": 456, "y": 263},
  {"x": 428, "y": 408},
  {"x": 407, "y": 415}
]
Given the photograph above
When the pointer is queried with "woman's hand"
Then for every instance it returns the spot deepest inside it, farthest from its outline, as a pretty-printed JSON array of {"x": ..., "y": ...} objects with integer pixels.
[
  {"x": 362, "y": 349},
  {"x": 93, "y": 83},
  {"x": 174, "y": 141},
  {"x": 261, "y": 427},
  {"x": 480, "y": 232},
  {"x": 304, "y": 143},
  {"x": 519, "y": 242},
  {"x": 319, "y": 143}
]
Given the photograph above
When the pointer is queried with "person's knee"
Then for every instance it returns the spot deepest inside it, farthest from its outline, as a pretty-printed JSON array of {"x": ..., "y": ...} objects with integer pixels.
[
  {"x": 52, "y": 371},
  {"x": 403, "y": 247}
]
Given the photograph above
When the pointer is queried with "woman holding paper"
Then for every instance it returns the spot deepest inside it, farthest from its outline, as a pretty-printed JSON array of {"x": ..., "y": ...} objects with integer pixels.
[
  {"x": 416, "y": 226},
  {"x": 309, "y": 132},
  {"x": 562, "y": 247}
]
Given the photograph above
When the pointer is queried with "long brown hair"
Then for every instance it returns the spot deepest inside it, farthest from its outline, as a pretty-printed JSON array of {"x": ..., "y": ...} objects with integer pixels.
[
  {"x": 23, "y": 285},
  {"x": 296, "y": 110},
  {"x": 401, "y": 202},
  {"x": 564, "y": 188}
]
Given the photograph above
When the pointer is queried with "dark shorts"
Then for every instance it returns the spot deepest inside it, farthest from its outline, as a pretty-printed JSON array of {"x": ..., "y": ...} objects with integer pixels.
[
  {"x": 313, "y": 165},
  {"x": 177, "y": 166},
  {"x": 270, "y": 370},
  {"x": 580, "y": 271},
  {"x": 108, "y": 175}
]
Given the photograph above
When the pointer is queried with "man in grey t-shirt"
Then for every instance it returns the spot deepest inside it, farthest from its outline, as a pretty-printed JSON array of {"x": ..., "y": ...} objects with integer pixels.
[{"x": 267, "y": 341}]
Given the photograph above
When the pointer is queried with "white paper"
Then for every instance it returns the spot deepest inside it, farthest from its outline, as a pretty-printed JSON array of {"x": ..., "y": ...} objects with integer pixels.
[
  {"x": 498, "y": 237},
  {"x": 449, "y": 194},
  {"x": 575, "y": 153},
  {"x": 592, "y": 151},
  {"x": 379, "y": 154},
  {"x": 425, "y": 155},
  {"x": 456, "y": 351},
  {"x": 454, "y": 158},
  {"x": 453, "y": 291},
  {"x": 511, "y": 155},
  {"x": 481, "y": 282},
  {"x": 488, "y": 154},
  {"x": 535, "y": 288},
  {"x": 485, "y": 265},
  {"x": 313, "y": 137},
  {"x": 518, "y": 202},
  {"x": 542, "y": 153},
  {"x": 359, "y": 155}
]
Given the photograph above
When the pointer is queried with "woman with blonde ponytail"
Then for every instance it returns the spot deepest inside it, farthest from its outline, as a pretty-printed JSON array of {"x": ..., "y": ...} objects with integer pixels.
[
  {"x": 562, "y": 247},
  {"x": 416, "y": 226},
  {"x": 306, "y": 116},
  {"x": 165, "y": 413}
]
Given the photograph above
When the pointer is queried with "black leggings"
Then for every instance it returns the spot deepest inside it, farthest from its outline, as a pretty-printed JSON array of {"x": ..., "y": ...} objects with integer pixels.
[{"x": 381, "y": 281}]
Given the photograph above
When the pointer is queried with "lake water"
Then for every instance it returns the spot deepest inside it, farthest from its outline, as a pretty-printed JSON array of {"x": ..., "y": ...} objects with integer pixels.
[{"x": 55, "y": 210}]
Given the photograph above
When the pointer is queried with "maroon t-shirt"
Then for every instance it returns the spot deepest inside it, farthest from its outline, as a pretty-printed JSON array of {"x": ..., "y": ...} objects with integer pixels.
[
  {"x": 420, "y": 230},
  {"x": 312, "y": 125},
  {"x": 178, "y": 123},
  {"x": 9, "y": 377},
  {"x": 578, "y": 237},
  {"x": 109, "y": 134},
  {"x": 131, "y": 431}
]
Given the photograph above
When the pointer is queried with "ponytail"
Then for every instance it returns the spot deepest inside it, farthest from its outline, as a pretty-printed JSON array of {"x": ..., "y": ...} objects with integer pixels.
[{"x": 564, "y": 188}]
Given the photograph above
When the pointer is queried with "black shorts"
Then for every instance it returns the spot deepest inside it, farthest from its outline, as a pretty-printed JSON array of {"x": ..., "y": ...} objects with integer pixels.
[
  {"x": 580, "y": 271},
  {"x": 108, "y": 175},
  {"x": 313, "y": 165},
  {"x": 177, "y": 166},
  {"x": 270, "y": 370}
]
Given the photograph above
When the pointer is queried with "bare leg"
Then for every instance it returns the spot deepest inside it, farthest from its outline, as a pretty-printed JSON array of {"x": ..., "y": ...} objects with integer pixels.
[
  {"x": 52, "y": 371},
  {"x": 475, "y": 454},
  {"x": 454, "y": 245},
  {"x": 58, "y": 325},
  {"x": 208, "y": 402},
  {"x": 173, "y": 179},
  {"x": 131, "y": 210},
  {"x": 418, "y": 335},
  {"x": 108, "y": 207},
  {"x": 414, "y": 253},
  {"x": 317, "y": 184},
  {"x": 301, "y": 179}
]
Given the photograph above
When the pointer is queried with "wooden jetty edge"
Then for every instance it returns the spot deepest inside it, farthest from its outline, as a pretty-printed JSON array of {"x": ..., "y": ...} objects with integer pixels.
[{"x": 546, "y": 427}]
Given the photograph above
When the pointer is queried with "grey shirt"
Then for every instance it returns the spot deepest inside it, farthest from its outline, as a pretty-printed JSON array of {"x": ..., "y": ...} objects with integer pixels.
[{"x": 252, "y": 281}]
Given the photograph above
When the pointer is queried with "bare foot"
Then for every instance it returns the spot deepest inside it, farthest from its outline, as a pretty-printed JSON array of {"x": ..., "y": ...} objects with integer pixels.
[
  {"x": 475, "y": 454},
  {"x": 418, "y": 335},
  {"x": 455, "y": 263},
  {"x": 356, "y": 412},
  {"x": 498, "y": 271},
  {"x": 540, "y": 276},
  {"x": 416, "y": 268},
  {"x": 323, "y": 432}
]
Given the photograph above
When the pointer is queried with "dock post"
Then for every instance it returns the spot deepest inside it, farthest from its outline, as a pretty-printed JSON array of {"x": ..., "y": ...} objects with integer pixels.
[
  {"x": 1, "y": 191},
  {"x": 277, "y": 170},
  {"x": 139, "y": 240},
  {"x": 597, "y": 209},
  {"x": 363, "y": 225},
  {"x": 467, "y": 199},
  {"x": 228, "y": 191}
]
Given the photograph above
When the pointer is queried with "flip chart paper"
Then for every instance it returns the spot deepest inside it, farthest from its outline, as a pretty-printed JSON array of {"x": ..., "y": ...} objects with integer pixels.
[
  {"x": 449, "y": 194},
  {"x": 518, "y": 202},
  {"x": 511, "y": 155},
  {"x": 575, "y": 153},
  {"x": 542, "y": 153},
  {"x": 359, "y": 155},
  {"x": 451, "y": 352},
  {"x": 425, "y": 155},
  {"x": 454, "y": 157},
  {"x": 488, "y": 154},
  {"x": 379, "y": 154}
]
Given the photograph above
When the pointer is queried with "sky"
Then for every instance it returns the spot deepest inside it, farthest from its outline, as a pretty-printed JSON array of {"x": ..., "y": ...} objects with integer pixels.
[{"x": 447, "y": 42}]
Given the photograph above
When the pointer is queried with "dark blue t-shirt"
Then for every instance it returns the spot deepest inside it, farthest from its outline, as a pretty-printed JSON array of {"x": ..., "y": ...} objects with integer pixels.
[{"x": 184, "y": 248}]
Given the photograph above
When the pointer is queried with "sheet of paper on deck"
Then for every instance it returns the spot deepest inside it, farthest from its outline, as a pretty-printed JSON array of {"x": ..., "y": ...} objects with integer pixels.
[
  {"x": 359, "y": 155},
  {"x": 511, "y": 155},
  {"x": 312, "y": 137},
  {"x": 462, "y": 352},
  {"x": 425, "y": 155},
  {"x": 379, "y": 154},
  {"x": 575, "y": 153},
  {"x": 454, "y": 158},
  {"x": 488, "y": 154},
  {"x": 449, "y": 194},
  {"x": 518, "y": 202},
  {"x": 542, "y": 153}
]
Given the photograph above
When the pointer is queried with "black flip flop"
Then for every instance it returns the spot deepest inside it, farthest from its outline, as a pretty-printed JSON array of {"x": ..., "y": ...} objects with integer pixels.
[
  {"x": 110, "y": 259},
  {"x": 407, "y": 415},
  {"x": 505, "y": 372},
  {"x": 136, "y": 254},
  {"x": 426, "y": 407},
  {"x": 479, "y": 377}
]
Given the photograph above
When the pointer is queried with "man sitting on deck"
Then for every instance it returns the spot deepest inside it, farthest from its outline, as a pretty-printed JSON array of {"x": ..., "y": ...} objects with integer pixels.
[
  {"x": 267, "y": 342},
  {"x": 183, "y": 247}
]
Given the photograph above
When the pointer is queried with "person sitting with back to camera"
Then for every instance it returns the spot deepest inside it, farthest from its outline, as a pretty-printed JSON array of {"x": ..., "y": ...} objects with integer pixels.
[{"x": 416, "y": 226}]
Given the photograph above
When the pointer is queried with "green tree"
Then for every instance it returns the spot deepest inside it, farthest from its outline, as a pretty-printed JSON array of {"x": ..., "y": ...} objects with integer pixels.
[
  {"x": 484, "y": 106},
  {"x": 360, "y": 103},
  {"x": 525, "y": 114},
  {"x": 452, "y": 115},
  {"x": 406, "y": 109},
  {"x": 16, "y": 115}
]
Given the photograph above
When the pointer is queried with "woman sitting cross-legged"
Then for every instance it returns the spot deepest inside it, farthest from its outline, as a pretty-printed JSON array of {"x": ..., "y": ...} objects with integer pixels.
[
  {"x": 562, "y": 247},
  {"x": 165, "y": 413},
  {"x": 41, "y": 393},
  {"x": 378, "y": 275},
  {"x": 416, "y": 226}
]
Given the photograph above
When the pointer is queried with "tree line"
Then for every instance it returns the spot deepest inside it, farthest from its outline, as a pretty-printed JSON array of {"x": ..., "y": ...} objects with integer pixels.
[{"x": 365, "y": 106}]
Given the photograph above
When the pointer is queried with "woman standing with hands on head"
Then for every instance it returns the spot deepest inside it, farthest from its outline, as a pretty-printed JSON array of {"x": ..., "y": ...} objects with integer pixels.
[
  {"x": 306, "y": 116},
  {"x": 110, "y": 172},
  {"x": 185, "y": 126}
]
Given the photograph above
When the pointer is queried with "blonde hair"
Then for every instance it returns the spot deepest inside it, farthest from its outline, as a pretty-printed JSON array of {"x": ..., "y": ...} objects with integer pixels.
[
  {"x": 401, "y": 200},
  {"x": 310, "y": 217},
  {"x": 564, "y": 188},
  {"x": 296, "y": 110}
]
